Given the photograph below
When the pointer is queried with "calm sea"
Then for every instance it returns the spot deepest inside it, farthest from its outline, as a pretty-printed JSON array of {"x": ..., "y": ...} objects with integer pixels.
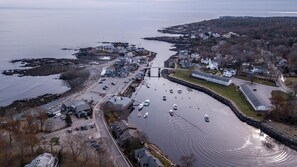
[{"x": 36, "y": 29}]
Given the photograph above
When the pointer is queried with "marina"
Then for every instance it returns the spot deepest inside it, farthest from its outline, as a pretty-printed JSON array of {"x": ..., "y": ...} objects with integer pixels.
[{"x": 188, "y": 131}]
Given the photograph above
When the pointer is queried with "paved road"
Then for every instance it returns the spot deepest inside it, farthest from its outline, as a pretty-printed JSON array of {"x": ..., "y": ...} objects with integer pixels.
[
  {"x": 263, "y": 92},
  {"x": 118, "y": 158},
  {"x": 96, "y": 93}
]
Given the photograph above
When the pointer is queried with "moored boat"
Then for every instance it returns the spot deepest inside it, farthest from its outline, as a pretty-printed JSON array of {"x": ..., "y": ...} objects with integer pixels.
[
  {"x": 206, "y": 118},
  {"x": 174, "y": 106},
  {"x": 171, "y": 112},
  {"x": 140, "y": 106},
  {"x": 145, "y": 115},
  {"x": 147, "y": 102}
]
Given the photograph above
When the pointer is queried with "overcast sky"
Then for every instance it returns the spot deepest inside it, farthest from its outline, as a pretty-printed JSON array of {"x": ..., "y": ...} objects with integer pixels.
[{"x": 75, "y": 3}]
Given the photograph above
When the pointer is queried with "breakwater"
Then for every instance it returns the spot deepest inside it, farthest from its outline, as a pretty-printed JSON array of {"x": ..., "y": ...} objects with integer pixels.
[{"x": 263, "y": 126}]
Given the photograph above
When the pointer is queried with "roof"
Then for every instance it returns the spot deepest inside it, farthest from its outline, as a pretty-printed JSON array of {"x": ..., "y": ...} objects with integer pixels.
[
  {"x": 123, "y": 124},
  {"x": 145, "y": 157},
  {"x": 211, "y": 76},
  {"x": 120, "y": 100},
  {"x": 45, "y": 159},
  {"x": 83, "y": 107},
  {"x": 74, "y": 103},
  {"x": 251, "y": 96}
]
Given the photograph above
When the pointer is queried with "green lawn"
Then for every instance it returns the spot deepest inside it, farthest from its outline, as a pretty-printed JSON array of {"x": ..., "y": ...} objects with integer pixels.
[
  {"x": 290, "y": 81},
  {"x": 231, "y": 92},
  {"x": 257, "y": 80},
  {"x": 162, "y": 160}
]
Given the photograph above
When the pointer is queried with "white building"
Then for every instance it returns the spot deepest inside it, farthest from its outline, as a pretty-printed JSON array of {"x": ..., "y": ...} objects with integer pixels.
[
  {"x": 44, "y": 160},
  {"x": 229, "y": 73},
  {"x": 212, "y": 78},
  {"x": 253, "y": 99}
]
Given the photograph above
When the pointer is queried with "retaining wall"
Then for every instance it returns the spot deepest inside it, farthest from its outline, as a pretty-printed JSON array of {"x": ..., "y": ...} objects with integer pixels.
[{"x": 264, "y": 127}]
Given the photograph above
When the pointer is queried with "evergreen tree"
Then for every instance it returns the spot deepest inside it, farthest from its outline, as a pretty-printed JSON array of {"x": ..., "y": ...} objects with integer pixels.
[{"x": 68, "y": 120}]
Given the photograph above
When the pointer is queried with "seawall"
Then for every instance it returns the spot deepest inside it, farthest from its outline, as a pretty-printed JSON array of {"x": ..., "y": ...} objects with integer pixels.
[{"x": 263, "y": 126}]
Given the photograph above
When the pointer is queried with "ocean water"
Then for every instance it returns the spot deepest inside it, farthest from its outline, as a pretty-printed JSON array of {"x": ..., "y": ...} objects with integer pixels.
[
  {"x": 36, "y": 29},
  {"x": 39, "y": 29}
]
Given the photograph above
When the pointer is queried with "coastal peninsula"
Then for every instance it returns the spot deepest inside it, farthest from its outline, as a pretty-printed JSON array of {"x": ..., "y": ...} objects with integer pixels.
[{"x": 260, "y": 50}]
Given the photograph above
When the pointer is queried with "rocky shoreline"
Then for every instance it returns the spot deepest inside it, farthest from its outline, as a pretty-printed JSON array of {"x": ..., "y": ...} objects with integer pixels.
[{"x": 25, "y": 104}]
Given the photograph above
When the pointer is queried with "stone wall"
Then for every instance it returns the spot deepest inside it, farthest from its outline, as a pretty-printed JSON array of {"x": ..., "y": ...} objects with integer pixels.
[{"x": 264, "y": 127}]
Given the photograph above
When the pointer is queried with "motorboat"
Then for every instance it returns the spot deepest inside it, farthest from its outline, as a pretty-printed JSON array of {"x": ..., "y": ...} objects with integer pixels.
[
  {"x": 171, "y": 112},
  {"x": 139, "y": 114},
  {"x": 145, "y": 115},
  {"x": 140, "y": 106},
  {"x": 164, "y": 98},
  {"x": 171, "y": 91},
  {"x": 147, "y": 102},
  {"x": 206, "y": 118},
  {"x": 174, "y": 106}
]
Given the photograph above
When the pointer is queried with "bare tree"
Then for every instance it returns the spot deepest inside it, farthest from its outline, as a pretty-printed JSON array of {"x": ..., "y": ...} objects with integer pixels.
[
  {"x": 41, "y": 117},
  {"x": 7, "y": 154},
  {"x": 53, "y": 142},
  {"x": 76, "y": 146}
]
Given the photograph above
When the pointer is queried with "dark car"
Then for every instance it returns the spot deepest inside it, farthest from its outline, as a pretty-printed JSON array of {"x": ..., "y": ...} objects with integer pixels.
[
  {"x": 77, "y": 128},
  {"x": 92, "y": 125}
]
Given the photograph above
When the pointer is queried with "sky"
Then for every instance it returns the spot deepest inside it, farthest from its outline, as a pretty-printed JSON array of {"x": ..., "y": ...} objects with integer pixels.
[{"x": 76, "y": 3}]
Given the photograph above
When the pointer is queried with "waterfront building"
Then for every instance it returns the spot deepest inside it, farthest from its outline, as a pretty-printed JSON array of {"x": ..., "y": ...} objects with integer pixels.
[
  {"x": 252, "y": 98},
  {"x": 123, "y": 131},
  {"x": 120, "y": 102},
  {"x": 212, "y": 78},
  {"x": 146, "y": 159}
]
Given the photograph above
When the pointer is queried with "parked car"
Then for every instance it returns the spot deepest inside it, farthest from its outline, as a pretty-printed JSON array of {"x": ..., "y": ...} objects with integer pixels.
[
  {"x": 92, "y": 125},
  {"x": 113, "y": 83},
  {"x": 69, "y": 130}
]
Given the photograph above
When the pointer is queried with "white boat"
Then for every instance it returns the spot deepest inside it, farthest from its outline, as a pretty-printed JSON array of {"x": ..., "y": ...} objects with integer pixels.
[
  {"x": 145, "y": 115},
  {"x": 140, "y": 106},
  {"x": 139, "y": 114},
  {"x": 171, "y": 112},
  {"x": 206, "y": 118},
  {"x": 146, "y": 102},
  {"x": 174, "y": 106}
]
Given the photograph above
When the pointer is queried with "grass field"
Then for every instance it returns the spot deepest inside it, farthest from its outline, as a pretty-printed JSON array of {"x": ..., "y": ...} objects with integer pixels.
[
  {"x": 291, "y": 81},
  {"x": 231, "y": 92}
]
